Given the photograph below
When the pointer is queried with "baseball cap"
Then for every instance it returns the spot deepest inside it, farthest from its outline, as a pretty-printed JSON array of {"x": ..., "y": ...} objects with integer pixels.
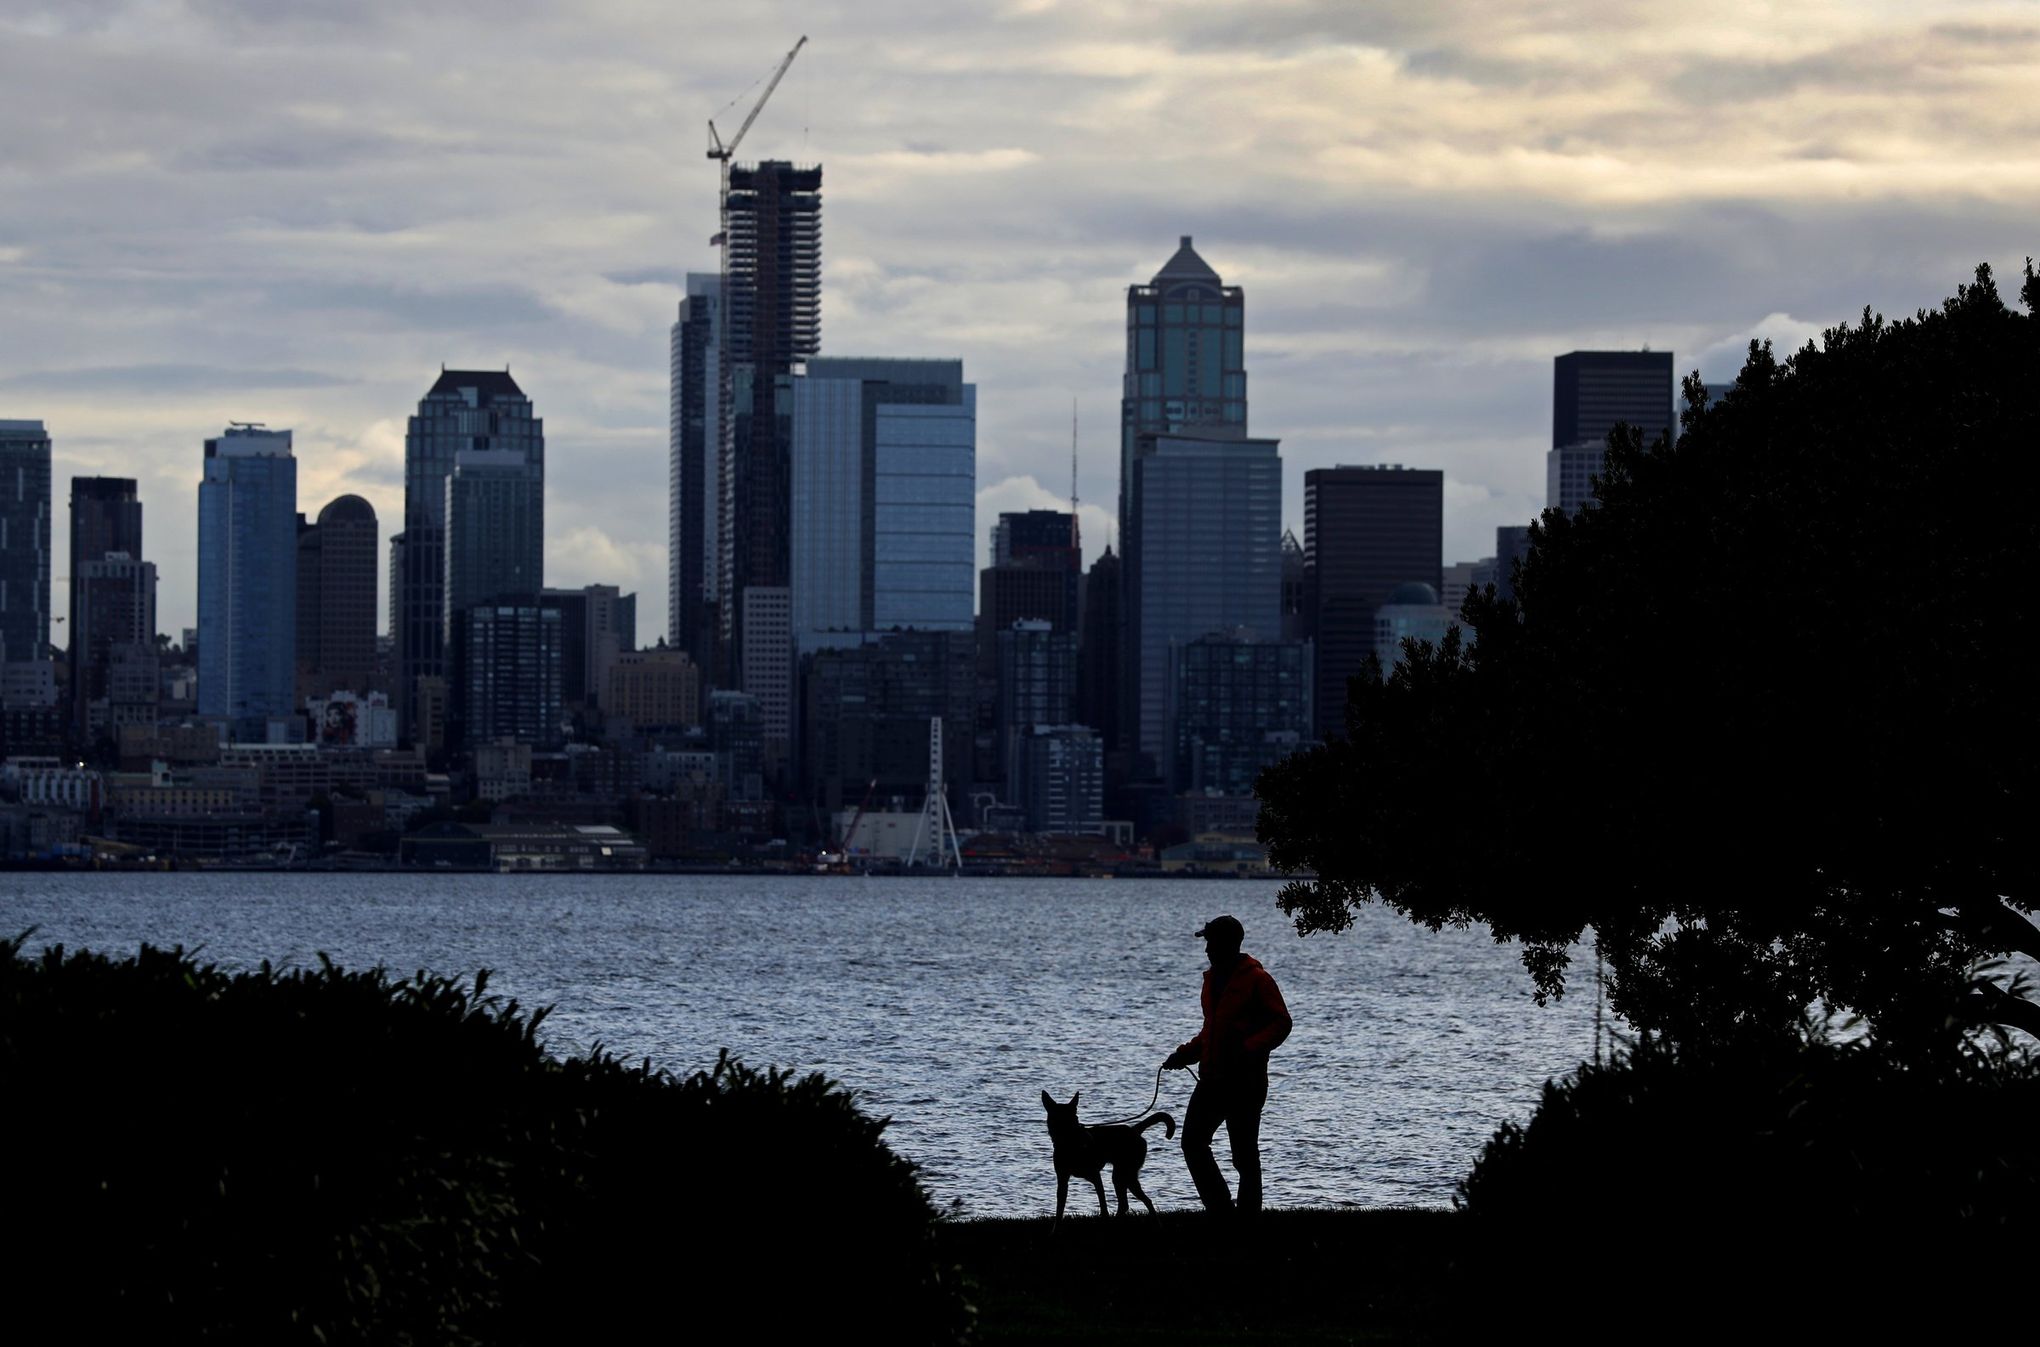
[{"x": 1226, "y": 929}]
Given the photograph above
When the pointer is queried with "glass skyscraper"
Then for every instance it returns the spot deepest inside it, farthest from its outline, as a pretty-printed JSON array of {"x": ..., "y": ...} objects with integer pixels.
[
  {"x": 465, "y": 410},
  {"x": 247, "y": 579},
  {"x": 1185, "y": 358},
  {"x": 693, "y": 469},
  {"x": 1591, "y": 393},
  {"x": 24, "y": 541},
  {"x": 884, "y": 496}
]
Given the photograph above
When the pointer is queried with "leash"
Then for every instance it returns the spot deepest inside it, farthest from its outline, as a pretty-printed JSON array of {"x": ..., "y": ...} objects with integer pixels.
[{"x": 1152, "y": 1101}]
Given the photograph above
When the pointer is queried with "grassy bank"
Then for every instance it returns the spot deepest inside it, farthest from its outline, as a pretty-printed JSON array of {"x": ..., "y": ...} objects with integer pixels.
[{"x": 1293, "y": 1276}]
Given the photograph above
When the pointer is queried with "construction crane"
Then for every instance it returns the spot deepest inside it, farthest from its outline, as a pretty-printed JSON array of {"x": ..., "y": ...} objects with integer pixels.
[
  {"x": 850, "y": 833},
  {"x": 716, "y": 148}
]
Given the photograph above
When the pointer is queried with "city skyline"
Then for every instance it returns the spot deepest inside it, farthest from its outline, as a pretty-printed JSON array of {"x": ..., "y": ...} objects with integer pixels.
[{"x": 1491, "y": 196}]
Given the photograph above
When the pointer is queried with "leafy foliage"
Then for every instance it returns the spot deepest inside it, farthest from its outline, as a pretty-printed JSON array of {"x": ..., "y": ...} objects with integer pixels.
[
  {"x": 319, "y": 1155},
  {"x": 1762, "y": 719}
]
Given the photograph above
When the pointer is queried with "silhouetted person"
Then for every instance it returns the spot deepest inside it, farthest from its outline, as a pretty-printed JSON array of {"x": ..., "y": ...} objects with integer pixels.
[{"x": 1244, "y": 1021}]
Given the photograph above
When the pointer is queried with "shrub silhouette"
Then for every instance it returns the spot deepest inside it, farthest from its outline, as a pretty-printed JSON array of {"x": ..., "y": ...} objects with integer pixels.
[{"x": 331, "y": 1156}]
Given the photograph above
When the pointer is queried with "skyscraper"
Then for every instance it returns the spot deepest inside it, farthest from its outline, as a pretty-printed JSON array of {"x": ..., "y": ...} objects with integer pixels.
[
  {"x": 247, "y": 579},
  {"x": 1185, "y": 359},
  {"x": 1035, "y": 573},
  {"x": 113, "y": 621},
  {"x": 495, "y": 528},
  {"x": 1238, "y": 705},
  {"x": 1366, "y": 530},
  {"x": 883, "y": 496},
  {"x": 1203, "y": 554},
  {"x": 772, "y": 317},
  {"x": 1591, "y": 393},
  {"x": 1200, "y": 504},
  {"x": 336, "y": 599},
  {"x": 694, "y": 491},
  {"x": 506, "y": 662},
  {"x": 24, "y": 542},
  {"x": 465, "y": 410},
  {"x": 106, "y": 518},
  {"x": 1098, "y": 692}
]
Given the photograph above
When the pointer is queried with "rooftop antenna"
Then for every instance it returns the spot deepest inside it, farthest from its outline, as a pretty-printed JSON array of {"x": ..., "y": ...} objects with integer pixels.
[{"x": 1076, "y": 540}]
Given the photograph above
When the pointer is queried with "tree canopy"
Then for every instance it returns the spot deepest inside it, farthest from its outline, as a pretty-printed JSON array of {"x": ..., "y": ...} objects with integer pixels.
[{"x": 1763, "y": 718}]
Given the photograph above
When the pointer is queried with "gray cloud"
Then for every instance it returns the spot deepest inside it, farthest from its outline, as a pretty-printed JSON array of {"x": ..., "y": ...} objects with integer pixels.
[{"x": 157, "y": 380}]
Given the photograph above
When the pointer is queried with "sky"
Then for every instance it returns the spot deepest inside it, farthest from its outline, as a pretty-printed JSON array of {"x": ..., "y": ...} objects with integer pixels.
[{"x": 294, "y": 213}]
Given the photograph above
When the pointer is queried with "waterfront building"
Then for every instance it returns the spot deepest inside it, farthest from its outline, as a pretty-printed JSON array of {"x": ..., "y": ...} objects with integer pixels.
[
  {"x": 336, "y": 597},
  {"x": 884, "y": 456},
  {"x": 24, "y": 542},
  {"x": 1592, "y": 393},
  {"x": 867, "y": 709},
  {"x": 1366, "y": 529},
  {"x": 1036, "y": 685},
  {"x": 1412, "y": 613},
  {"x": 693, "y": 468},
  {"x": 1203, "y": 554},
  {"x": 1061, "y": 776},
  {"x": 1239, "y": 705},
  {"x": 247, "y": 580},
  {"x": 464, "y": 411},
  {"x": 771, "y": 294}
]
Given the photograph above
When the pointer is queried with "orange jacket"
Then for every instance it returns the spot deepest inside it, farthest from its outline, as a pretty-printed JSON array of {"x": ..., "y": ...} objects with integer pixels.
[{"x": 1246, "y": 1020}]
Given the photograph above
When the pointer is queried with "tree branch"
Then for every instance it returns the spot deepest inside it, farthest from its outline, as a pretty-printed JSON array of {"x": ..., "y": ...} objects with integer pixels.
[{"x": 1993, "y": 923}]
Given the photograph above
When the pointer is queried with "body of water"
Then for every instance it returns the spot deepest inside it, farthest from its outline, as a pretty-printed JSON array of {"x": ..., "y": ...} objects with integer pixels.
[{"x": 948, "y": 1004}]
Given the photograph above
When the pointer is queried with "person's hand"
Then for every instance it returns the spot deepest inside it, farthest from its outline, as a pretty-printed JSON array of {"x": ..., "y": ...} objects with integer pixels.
[{"x": 1174, "y": 1061}]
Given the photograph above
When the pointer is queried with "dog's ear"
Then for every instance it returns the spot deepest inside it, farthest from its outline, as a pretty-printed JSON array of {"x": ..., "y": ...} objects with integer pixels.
[
  {"x": 1046, "y": 1102},
  {"x": 1073, "y": 1100}
]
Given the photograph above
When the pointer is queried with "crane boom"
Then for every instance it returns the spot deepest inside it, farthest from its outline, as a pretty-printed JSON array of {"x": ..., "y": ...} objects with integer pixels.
[{"x": 718, "y": 150}]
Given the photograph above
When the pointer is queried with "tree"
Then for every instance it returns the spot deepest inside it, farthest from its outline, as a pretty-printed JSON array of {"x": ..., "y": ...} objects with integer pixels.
[{"x": 1763, "y": 719}]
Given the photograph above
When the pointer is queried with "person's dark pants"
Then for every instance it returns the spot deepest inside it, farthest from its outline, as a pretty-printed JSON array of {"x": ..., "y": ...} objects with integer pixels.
[{"x": 1237, "y": 1104}]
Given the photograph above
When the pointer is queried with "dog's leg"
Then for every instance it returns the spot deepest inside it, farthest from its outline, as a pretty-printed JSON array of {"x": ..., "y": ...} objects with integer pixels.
[
  {"x": 1062, "y": 1197},
  {"x": 1098, "y": 1182},
  {"x": 1133, "y": 1182}
]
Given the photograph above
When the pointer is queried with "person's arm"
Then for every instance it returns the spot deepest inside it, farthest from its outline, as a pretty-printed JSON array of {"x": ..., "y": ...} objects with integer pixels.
[
  {"x": 1270, "y": 1035},
  {"x": 1188, "y": 1053}
]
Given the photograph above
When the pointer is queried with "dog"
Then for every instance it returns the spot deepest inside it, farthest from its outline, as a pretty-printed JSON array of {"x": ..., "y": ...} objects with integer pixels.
[{"x": 1085, "y": 1151}]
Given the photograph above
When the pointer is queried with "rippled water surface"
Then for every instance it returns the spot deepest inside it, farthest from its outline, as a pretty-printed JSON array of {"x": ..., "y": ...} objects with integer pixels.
[{"x": 949, "y": 1004}]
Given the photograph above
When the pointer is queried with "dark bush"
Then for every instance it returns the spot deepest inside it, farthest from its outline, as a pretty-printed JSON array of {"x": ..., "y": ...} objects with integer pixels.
[
  {"x": 329, "y": 1156},
  {"x": 1853, "y": 1179}
]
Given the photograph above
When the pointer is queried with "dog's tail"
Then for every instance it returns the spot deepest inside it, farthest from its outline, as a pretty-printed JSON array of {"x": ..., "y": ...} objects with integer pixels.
[{"x": 1168, "y": 1124}]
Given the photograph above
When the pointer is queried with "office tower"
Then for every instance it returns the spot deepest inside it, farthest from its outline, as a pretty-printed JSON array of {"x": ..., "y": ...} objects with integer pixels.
[
  {"x": 247, "y": 579},
  {"x": 1412, "y": 613},
  {"x": 1512, "y": 545},
  {"x": 464, "y": 411},
  {"x": 1203, "y": 554},
  {"x": 24, "y": 542},
  {"x": 1098, "y": 693},
  {"x": 1366, "y": 530},
  {"x": 1036, "y": 571},
  {"x": 506, "y": 683},
  {"x": 1061, "y": 779},
  {"x": 336, "y": 560},
  {"x": 395, "y": 581},
  {"x": 1592, "y": 393},
  {"x": 766, "y": 657},
  {"x": 1238, "y": 705},
  {"x": 1296, "y": 614},
  {"x": 694, "y": 492},
  {"x": 884, "y": 459},
  {"x": 106, "y": 518},
  {"x": 654, "y": 689},
  {"x": 598, "y": 624},
  {"x": 866, "y": 716},
  {"x": 1462, "y": 578},
  {"x": 495, "y": 528},
  {"x": 1185, "y": 362},
  {"x": 771, "y": 318},
  {"x": 1036, "y": 672},
  {"x": 113, "y": 620}
]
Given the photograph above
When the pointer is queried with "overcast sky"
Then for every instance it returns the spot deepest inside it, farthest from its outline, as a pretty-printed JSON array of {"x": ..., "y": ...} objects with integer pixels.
[{"x": 295, "y": 212}]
